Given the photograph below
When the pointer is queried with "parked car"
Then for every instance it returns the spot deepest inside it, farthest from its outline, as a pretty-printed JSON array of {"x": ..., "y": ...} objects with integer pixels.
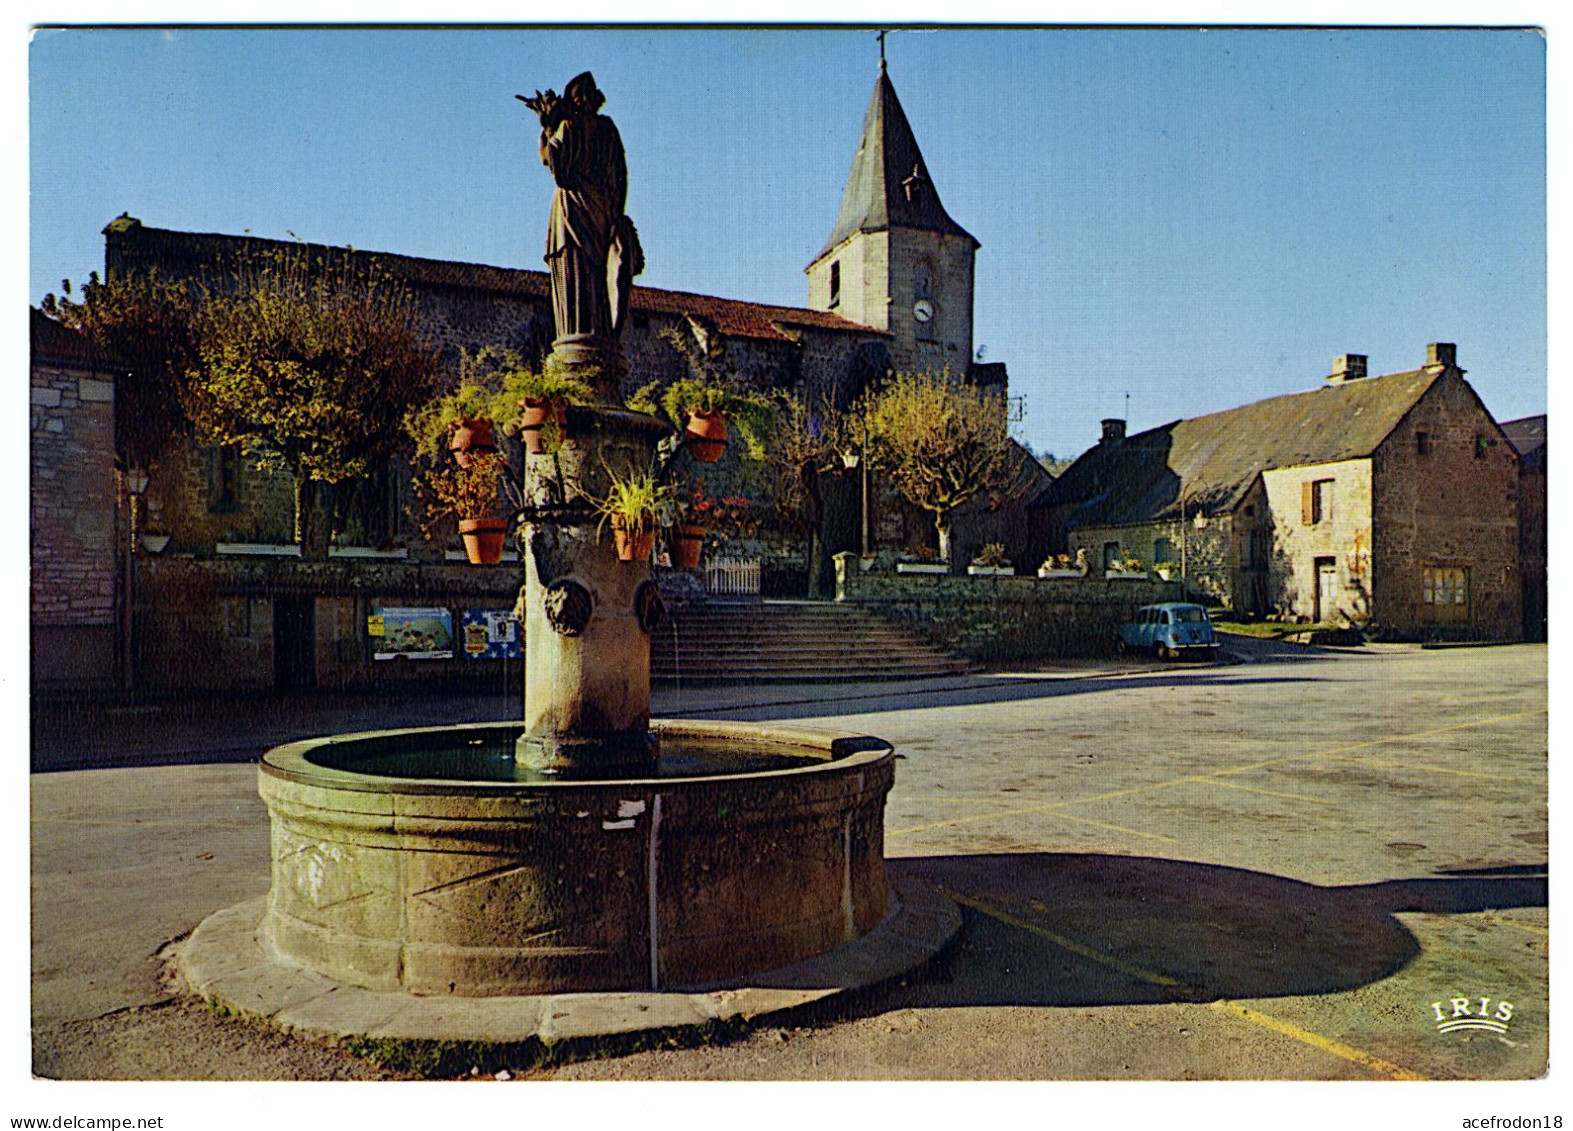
[{"x": 1170, "y": 631}]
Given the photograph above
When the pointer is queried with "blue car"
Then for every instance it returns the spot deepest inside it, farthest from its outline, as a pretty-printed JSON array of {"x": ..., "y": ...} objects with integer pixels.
[{"x": 1170, "y": 631}]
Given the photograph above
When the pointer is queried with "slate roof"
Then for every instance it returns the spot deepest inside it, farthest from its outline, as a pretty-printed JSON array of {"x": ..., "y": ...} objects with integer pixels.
[
  {"x": 1527, "y": 434},
  {"x": 54, "y": 343},
  {"x": 732, "y": 317},
  {"x": 1217, "y": 457},
  {"x": 889, "y": 185}
]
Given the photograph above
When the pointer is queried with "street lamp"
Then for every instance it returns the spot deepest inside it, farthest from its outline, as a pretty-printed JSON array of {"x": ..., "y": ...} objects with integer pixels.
[
  {"x": 136, "y": 487},
  {"x": 853, "y": 459}
]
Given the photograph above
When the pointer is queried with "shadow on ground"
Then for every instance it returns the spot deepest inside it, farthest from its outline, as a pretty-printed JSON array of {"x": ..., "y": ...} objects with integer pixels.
[{"x": 1173, "y": 931}]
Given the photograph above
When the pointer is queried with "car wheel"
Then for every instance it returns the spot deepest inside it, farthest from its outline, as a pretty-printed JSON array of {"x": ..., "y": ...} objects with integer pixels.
[{"x": 1160, "y": 651}]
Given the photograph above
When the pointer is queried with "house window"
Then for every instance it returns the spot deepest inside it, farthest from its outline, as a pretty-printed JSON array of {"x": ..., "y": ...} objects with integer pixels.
[
  {"x": 1481, "y": 444},
  {"x": 835, "y": 284},
  {"x": 1162, "y": 551},
  {"x": 1423, "y": 443},
  {"x": 1444, "y": 593},
  {"x": 1111, "y": 555},
  {"x": 1316, "y": 502}
]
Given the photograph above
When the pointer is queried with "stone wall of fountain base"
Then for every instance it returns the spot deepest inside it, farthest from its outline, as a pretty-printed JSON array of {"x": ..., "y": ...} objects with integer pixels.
[{"x": 481, "y": 888}]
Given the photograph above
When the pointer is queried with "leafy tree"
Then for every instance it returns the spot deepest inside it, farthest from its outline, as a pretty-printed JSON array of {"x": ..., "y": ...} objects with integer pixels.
[
  {"x": 1053, "y": 464},
  {"x": 311, "y": 363},
  {"x": 145, "y": 321},
  {"x": 942, "y": 443}
]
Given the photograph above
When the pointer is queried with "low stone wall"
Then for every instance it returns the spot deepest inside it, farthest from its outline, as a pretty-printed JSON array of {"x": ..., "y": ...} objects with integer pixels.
[
  {"x": 1000, "y": 619},
  {"x": 210, "y": 625}
]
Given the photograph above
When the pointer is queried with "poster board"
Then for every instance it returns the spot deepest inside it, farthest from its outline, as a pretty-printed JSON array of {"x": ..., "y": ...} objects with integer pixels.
[{"x": 399, "y": 633}]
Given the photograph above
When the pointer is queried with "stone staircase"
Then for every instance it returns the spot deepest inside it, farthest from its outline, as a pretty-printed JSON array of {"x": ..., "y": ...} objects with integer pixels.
[{"x": 790, "y": 642}]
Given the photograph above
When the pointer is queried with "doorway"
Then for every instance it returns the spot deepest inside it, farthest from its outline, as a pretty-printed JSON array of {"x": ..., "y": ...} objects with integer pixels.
[
  {"x": 294, "y": 644},
  {"x": 1326, "y": 589}
]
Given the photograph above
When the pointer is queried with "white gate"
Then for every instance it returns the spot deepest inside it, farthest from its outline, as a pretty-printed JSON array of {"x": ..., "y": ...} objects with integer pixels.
[{"x": 732, "y": 577}]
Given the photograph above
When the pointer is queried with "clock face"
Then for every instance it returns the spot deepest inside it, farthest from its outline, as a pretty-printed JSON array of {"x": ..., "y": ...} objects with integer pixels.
[{"x": 923, "y": 310}]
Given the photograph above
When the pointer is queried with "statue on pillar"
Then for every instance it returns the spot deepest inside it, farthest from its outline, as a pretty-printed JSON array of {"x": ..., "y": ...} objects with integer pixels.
[{"x": 591, "y": 245}]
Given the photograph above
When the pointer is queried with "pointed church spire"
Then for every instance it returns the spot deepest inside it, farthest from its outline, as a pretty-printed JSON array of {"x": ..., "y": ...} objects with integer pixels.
[{"x": 889, "y": 186}]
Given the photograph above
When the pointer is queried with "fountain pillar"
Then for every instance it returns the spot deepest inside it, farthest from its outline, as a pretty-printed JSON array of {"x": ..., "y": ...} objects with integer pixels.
[{"x": 587, "y": 615}]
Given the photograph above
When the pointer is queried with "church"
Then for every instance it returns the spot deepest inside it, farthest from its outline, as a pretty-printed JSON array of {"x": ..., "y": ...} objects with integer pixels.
[{"x": 226, "y": 604}]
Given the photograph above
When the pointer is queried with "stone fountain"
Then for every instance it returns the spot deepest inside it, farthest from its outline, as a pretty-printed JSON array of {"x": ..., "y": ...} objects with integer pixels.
[{"x": 584, "y": 849}]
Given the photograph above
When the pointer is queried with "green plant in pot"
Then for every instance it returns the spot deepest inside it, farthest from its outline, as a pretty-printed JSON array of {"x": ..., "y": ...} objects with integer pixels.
[
  {"x": 701, "y": 404},
  {"x": 542, "y": 399},
  {"x": 634, "y": 504}
]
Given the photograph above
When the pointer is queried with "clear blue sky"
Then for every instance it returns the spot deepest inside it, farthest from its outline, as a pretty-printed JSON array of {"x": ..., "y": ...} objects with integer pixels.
[{"x": 1193, "y": 218}]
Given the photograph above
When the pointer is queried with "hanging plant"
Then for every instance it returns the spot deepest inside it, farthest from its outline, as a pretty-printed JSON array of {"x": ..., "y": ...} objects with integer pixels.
[
  {"x": 542, "y": 404},
  {"x": 633, "y": 506},
  {"x": 471, "y": 436},
  {"x": 468, "y": 493}
]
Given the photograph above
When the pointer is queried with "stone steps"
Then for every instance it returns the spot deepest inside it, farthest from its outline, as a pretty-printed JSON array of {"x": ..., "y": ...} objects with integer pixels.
[{"x": 790, "y": 642}]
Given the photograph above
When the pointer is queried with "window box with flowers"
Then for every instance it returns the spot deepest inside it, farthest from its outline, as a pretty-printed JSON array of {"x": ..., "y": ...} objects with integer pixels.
[
  {"x": 991, "y": 562},
  {"x": 1060, "y": 566}
]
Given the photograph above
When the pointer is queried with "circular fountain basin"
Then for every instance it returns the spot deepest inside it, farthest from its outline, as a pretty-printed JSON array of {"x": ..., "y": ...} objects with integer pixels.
[{"x": 424, "y": 862}]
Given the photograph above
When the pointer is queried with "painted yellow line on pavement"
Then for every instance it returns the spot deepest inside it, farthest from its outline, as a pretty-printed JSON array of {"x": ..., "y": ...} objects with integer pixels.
[
  {"x": 1212, "y": 775},
  {"x": 1221, "y": 1005},
  {"x": 1071, "y": 945},
  {"x": 1115, "y": 828},
  {"x": 1369, "y": 761},
  {"x": 1315, "y": 1040},
  {"x": 1273, "y": 793}
]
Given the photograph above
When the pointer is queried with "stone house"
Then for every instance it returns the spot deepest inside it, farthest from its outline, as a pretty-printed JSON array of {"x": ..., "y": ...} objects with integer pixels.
[
  {"x": 1388, "y": 501},
  {"x": 76, "y": 512},
  {"x": 228, "y": 605},
  {"x": 1528, "y": 437}
]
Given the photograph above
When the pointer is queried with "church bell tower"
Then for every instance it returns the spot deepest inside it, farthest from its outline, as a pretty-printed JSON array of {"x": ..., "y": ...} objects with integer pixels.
[{"x": 895, "y": 260}]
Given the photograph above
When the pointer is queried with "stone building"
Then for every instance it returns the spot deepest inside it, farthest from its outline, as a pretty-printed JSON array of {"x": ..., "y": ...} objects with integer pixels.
[
  {"x": 1528, "y": 437},
  {"x": 227, "y": 604},
  {"x": 76, "y": 512},
  {"x": 1385, "y": 501}
]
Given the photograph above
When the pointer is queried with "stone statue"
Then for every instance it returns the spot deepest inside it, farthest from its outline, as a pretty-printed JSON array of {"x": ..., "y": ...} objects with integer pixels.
[{"x": 591, "y": 246}]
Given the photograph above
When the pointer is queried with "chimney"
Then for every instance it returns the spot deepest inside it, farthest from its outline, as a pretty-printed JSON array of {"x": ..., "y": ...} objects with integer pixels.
[
  {"x": 1113, "y": 430},
  {"x": 1441, "y": 355},
  {"x": 1348, "y": 367}
]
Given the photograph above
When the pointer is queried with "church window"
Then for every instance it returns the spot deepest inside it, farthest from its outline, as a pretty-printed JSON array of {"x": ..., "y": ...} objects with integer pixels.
[{"x": 835, "y": 284}]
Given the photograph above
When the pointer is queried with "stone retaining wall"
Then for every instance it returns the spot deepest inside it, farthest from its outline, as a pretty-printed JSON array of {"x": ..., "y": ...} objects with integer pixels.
[{"x": 998, "y": 619}]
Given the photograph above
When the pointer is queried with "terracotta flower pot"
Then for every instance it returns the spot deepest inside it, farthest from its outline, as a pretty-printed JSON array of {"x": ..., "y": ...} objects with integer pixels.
[
  {"x": 470, "y": 437},
  {"x": 687, "y": 546},
  {"x": 533, "y": 421},
  {"x": 705, "y": 436},
  {"x": 483, "y": 539},
  {"x": 633, "y": 545}
]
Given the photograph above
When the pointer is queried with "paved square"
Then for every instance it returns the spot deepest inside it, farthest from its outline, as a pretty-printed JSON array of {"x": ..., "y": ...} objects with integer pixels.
[{"x": 1296, "y": 867}]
